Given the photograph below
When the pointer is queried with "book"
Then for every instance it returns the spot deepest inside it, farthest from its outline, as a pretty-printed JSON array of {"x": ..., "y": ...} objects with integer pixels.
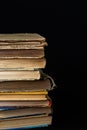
[
  {"x": 22, "y": 37},
  {"x": 22, "y": 97},
  {"x": 22, "y": 64},
  {"x": 22, "y": 45},
  {"x": 24, "y": 86},
  {"x": 25, "y": 122},
  {"x": 19, "y": 75},
  {"x": 21, "y": 53},
  {"x": 6, "y": 105},
  {"x": 16, "y": 113}
]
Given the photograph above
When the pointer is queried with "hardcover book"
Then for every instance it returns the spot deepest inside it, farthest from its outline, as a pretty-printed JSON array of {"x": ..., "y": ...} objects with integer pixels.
[
  {"x": 22, "y": 97},
  {"x": 22, "y": 45},
  {"x": 21, "y": 37},
  {"x": 22, "y": 64},
  {"x": 21, "y": 53},
  {"x": 21, "y": 112},
  {"x": 6, "y": 104},
  {"x": 24, "y": 86},
  {"x": 10, "y": 75},
  {"x": 25, "y": 122}
]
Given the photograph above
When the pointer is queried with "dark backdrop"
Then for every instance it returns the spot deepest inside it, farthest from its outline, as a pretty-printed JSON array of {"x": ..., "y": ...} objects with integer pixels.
[{"x": 66, "y": 57}]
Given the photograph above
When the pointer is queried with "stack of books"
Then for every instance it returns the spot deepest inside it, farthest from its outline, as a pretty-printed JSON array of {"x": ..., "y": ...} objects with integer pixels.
[{"x": 24, "y": 99}]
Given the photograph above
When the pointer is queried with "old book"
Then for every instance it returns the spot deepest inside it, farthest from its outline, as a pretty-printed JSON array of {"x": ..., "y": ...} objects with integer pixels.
[
  {"x": 22, "y": 64},
  {"x": 21, "y": 53},
  {"x": 25, "y": 112},
  {"x": 25, "y": 122},
  {"x": 22, "y": 97},
  {"x": 22, "y": 45},
  {"x": 24, "y": 86},
  {"x": 22, "y": 37},
  {"x": 6, "y": 105},
  {"x": 19, "y": 75}
]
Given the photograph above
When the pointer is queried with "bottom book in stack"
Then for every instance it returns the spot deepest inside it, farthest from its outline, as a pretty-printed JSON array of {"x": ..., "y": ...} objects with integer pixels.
[{"x": 27, "y": 108}]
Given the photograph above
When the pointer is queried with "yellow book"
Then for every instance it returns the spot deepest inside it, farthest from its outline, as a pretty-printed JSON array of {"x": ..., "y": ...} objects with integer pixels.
[
  {"x": 22, "y": 93},
  {"x": 22, "y": 97}
]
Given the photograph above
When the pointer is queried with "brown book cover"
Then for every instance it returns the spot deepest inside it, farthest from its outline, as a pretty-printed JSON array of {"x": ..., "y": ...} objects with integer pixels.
[
  {"x": 24, "y": 86},
  {"x": 21, "y": 53}
]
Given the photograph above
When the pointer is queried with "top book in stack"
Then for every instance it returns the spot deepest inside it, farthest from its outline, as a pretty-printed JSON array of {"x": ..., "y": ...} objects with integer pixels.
[
  {"x": 15, "y": 43},
  {"x": 22, "y": 51}
]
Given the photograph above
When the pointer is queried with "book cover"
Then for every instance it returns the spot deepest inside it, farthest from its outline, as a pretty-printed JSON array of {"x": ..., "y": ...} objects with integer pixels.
[
  {"x": 22, "y": 64},
  {"x": 6, "y": 105},
  {"x": 22, "y": 97},
  {"x": 21, "y": 112},
  {"x": 19, "y": 75},
  {"x": 21, "y": 53},
  {"x": 25, "y": 122},
  {"x": 24, "y": 86},
  {"x": 21, "y": 37},
  {"x": 22, "y": 45}
]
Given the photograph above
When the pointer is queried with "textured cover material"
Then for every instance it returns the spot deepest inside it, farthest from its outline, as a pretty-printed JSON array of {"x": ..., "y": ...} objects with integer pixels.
[
  {"x": 25, "y": 112},
  {"x": 6, "y": 105},
  {"x": 19, "y": 75},
  {"x": 22, "y": 97},
  {"x": 21, "y": 37},
  {"x": 22, "y": 64},
  {"x": 22, "y": 45},
  {"x": 24, "y": 86},
  {"x": 21, "y": 53},
  {"x": 25, "y": 122}
]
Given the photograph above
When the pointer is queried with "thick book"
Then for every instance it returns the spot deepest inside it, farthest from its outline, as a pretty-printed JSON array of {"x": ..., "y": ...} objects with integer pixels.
[
  {"x": 22, "y": 64},
  {"x": 10, "y": 75},
  {"x": 24, "y": 86},
  {"x": 25, "y": 122},
  {"x": 25, "y": 112},
  {"x": 21, "y": 53},
  {"x": 6, "y": 105}
]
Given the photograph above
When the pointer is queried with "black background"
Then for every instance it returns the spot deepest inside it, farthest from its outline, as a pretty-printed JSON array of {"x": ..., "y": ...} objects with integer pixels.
[{"x": 65, "y": 54}]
